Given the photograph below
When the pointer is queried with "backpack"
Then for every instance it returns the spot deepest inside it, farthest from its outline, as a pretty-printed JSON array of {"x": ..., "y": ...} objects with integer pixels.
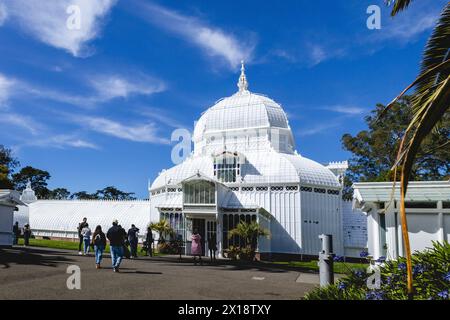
[{"x": 98, "y": 240}]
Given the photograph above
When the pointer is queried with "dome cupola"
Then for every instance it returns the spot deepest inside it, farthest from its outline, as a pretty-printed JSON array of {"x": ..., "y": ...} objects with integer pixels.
[{"x": 240, "y": 116}]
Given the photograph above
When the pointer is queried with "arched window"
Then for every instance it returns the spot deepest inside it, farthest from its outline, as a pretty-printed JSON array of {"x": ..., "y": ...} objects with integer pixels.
[{"x": 227, "y": 166}]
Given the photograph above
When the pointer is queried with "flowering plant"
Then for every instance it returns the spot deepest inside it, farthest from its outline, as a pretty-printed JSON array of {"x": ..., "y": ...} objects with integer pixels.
[{"x": 431, "y": 272}]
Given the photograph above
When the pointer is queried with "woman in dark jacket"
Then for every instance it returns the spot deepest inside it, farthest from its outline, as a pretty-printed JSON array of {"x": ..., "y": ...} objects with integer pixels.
[{"x": 99, "y": 243}]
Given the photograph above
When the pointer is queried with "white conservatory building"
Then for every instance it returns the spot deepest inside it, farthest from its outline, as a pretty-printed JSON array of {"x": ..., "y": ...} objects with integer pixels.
[{"x": 245, "y": 167}]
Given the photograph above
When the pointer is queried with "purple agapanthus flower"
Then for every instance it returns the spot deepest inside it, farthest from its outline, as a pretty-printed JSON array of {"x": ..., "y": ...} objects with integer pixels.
[
  {"x": 363, "y": 254},
  {"x": 358, "y": 273},
  {"x": 402, "y": 266},
  {"x": 341, "y": 286},
  {"x": 447, "y": 276},
  {"x": 381, "y": 259},
  {"x": 443, "y": 294},
  {"x": 375, "y": 295},
  {"x": 338, "y": 258},
  {"x": 418, "y": 269}
]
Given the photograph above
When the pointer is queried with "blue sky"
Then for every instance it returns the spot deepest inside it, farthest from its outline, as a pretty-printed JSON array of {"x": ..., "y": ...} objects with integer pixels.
[{"x": 96, "y": 106}]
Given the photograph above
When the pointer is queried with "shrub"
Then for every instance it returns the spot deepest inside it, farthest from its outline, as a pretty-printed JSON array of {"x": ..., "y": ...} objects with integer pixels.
[
  {"x": 233, "y": 252},
  {"x": 431, "y": 273}
]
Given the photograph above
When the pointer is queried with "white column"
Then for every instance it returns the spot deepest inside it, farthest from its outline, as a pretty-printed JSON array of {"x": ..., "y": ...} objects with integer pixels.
[
  {"x": 391, "y": 235},
  {"x": 441, "y": 222}
]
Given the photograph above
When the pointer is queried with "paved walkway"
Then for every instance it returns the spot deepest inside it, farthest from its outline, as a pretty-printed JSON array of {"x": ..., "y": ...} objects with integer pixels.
[{"x": 40, "y": 273}]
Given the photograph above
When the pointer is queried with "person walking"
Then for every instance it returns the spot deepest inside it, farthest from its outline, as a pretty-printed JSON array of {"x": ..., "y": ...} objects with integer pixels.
[
  {"x": 212, "y": 246},
  {"x": 99, "y": 243},
  {"x": 16, "y": 233},
  {"x": 86, "y": 233},
  {"x": 26, "y": 234},
  {"x": 125, "y": 244},
  {"x": 80, "y": 227},
  {"x": 133, "y": 240},
  {"x": 149, "y": 239},
  {"x": 196, "y": 246},
  {"x": 116, "y": 239}
]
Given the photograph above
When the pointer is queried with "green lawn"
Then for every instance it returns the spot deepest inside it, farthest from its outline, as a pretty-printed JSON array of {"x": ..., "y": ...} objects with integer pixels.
[
  {"x": 339, "y": 267},
  {"x": 67, "y": 245}
]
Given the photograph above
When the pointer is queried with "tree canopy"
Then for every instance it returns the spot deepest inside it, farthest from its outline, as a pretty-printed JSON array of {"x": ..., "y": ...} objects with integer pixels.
[
  {"x": 37, "y": 177},
  {"x": 112, "y": 193},
  {"x": 108, "y": 193},
  {"x": 375, "y": 149},
  {"x": 59, "y": 194},
  {"x": 7, "y": 165}
]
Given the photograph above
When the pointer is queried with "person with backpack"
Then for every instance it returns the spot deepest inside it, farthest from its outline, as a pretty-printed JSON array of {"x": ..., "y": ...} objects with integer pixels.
[
  {"x": 80, "y": 227},
  {"x": 86, "y": 233},
  {"x": 26, "y": 234},
  {"x": 125, "y": 243},
  {"x": 99, "y": 243},
  {"x": 133, "y": 240},
  {"x": 116, "y": 239}
]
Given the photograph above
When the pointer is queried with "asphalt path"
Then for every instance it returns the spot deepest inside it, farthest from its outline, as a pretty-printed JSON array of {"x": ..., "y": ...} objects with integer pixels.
[{"x": 42, "y": 273}]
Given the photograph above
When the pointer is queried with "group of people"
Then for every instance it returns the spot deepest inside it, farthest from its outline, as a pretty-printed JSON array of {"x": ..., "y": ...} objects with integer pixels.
[
  {"x": 17, "y": 232},
  {"x": 119, "y": 241}
]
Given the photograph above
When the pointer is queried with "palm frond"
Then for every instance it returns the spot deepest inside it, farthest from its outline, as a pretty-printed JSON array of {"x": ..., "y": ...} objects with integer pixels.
[
  {"x": 399, "y": 5},
  {"x": 434, "y": 109}
]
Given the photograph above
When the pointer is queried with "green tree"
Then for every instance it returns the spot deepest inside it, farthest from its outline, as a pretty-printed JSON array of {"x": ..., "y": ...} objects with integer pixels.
[
  {"x": 37, "y": 177},
  {"x": 7, "y": 165},
  {"x": 249, "y": 233},
  {"x": 83, "y": 195},
  {"x": 112, "y": 193},
  {"x": 59, "y": 194},
  {"x": 163, "y": 228},
  {"x": 375, "y": 149}
]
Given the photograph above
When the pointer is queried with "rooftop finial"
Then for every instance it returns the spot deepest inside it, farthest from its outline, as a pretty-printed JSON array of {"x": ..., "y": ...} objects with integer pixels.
[{"x": 242, "y": 83}]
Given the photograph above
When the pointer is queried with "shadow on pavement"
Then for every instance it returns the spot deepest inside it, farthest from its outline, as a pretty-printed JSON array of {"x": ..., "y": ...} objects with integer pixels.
[
  {"x": 31, "y": 256},
  {"x": 230, "y": 265}
]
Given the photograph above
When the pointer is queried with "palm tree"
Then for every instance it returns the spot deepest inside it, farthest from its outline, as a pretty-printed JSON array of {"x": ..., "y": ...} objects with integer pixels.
[
  {"x": 249, "y": 232},
  {"x": 430, "y": 103},
  {"x": 163, "y": 228}
]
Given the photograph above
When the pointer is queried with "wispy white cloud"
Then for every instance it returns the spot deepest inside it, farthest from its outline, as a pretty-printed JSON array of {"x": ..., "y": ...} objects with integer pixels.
[
  {"x": 58, "y": 141},
  {"x": 318, "y": 128},
  {"x": 65, "y": 140},
  {"x": 24, "y": 122},
  {"x": 39, "y": 135},
  {"x": 143, "y": 132},
  {"x": 104, "y": 88},
  {"x": 214, "y": 41},
  {"x": 6, "y": 85},
  {"x": 47, "y": 21},
  {"x": 3, "y": 13},
  {"x": 408, "y": 25},
  {"x": 116, "y": 86},
  {"x": 348, "y": 110},
  {"x": 161, "y": 116}
]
